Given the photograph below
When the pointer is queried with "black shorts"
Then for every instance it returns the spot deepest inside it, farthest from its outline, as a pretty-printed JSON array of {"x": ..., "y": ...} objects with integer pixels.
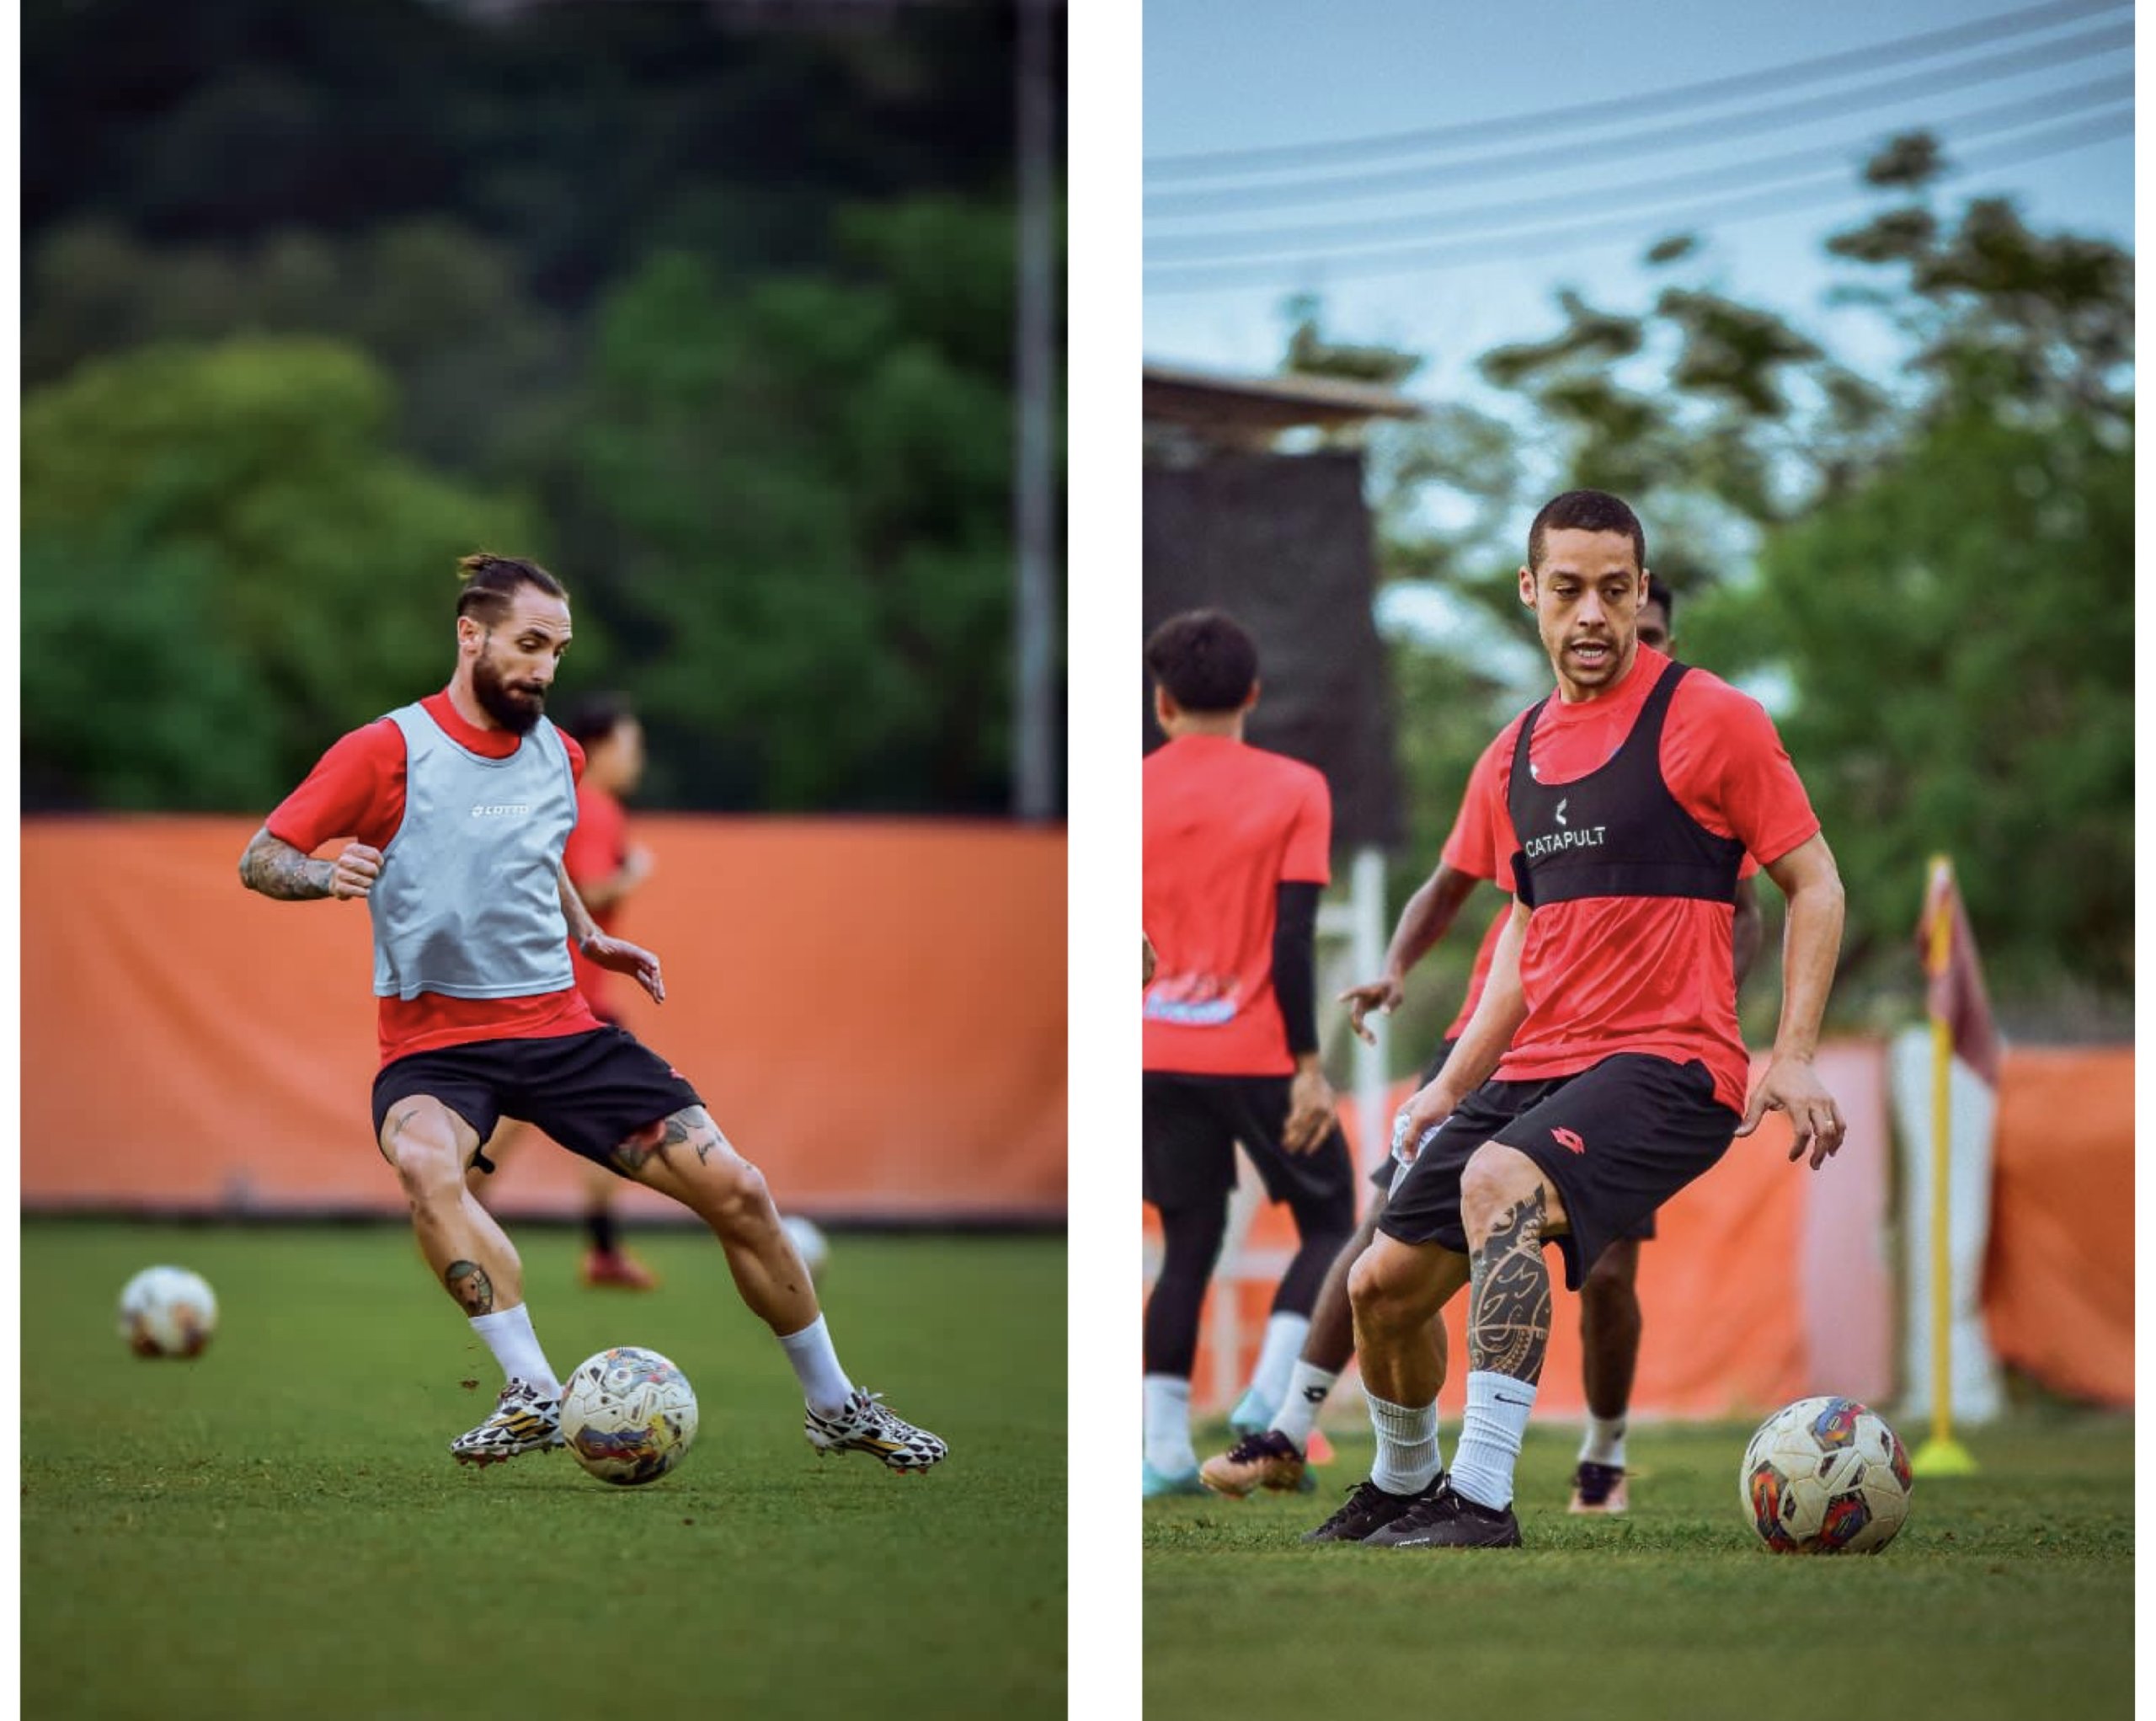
[
  {"x": 589, "y": 1091},
  {"x": 1192, "y": 1123},
  {"x": 1616, "y": 1141}
]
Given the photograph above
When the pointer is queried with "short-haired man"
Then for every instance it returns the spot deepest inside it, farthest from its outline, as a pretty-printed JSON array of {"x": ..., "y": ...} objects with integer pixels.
[
  {"x": 1603, "y": 1069},
  {"x": 1272, "y": 1450},
  {"x": 459, "y": 806},
  {"x": 1237, "y": 851}
]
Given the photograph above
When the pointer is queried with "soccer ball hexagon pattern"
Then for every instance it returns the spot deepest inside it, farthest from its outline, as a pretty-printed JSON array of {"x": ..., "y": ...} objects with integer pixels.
[
  {"x": 1825, "y": 1476},
  {"x": 167, "y": 1312},
  {"x": 628, "y": 1416}
]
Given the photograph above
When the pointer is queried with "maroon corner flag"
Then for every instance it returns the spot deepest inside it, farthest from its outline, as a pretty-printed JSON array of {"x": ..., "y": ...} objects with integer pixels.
[{"x": 1957, "y": 995}]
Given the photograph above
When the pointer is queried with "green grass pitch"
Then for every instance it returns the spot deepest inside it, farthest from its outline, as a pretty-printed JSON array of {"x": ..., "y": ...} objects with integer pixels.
[
  {"x": 276, "y": 1528},
  {"x": 2007, "y": 1595}
]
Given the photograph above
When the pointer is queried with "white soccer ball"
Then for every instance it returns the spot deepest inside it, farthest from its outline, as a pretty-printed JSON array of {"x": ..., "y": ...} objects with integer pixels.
[
  {"x": 809, "y": 1243},
  {"x": 167, "y": 1312},
  {"x": 628, "y": 1416},
  {"x": 1825, "y": 1476}
]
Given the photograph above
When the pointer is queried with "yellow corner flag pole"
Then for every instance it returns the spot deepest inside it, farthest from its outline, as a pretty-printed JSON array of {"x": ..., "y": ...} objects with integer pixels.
[{"x": 1941, "y": 1455}]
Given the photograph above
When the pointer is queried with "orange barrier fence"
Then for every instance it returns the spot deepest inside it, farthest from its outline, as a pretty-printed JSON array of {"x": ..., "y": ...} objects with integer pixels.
[
  {"x": 874, "y": 1012},
  {"x": 1768, "y": 1282},
  {"x": 2058, "y": 1274}
]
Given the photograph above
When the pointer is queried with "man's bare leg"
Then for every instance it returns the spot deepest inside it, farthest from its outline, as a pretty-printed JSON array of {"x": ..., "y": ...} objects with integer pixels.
[
  {"x": 1397, "y": 1290},
  {"x": 432, "y": 1148},
  {"x": 687, "y": 1158},
  {"x": 1609, "y": 1342}
]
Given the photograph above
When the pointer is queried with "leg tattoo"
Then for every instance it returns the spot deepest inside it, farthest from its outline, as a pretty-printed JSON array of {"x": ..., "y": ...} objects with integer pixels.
[
  {"x": 1509, "y": 1309},
  {"x": 689, "y": 1125},
  {"x": 468, "y": 1283}
]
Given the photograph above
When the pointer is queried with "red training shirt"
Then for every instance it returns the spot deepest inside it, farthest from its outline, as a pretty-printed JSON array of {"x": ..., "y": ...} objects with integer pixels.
[
  {"x": 596, "y": 849},
  {"x": 1647, "y": 974},
  {"x": 1226, "y": 824},
  {"x": 356, "y": 789}
]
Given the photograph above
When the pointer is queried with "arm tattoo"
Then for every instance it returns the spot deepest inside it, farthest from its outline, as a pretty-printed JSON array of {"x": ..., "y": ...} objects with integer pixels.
[
  {"x": 468, "y": 1283},
  {"x": 1508, "y": 1307},
  {"x": 275, "y": 868}
]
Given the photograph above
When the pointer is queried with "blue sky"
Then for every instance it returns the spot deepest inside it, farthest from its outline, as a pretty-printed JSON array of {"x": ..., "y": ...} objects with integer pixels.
[{"x": 1269, "y": 72}]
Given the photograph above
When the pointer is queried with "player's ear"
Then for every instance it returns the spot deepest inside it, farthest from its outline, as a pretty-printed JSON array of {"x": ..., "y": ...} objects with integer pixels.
[
  {"x": 1164, "y": 706},
  {"x": 1527, "y": 586},
  {"x": 1250, "y": 699}
]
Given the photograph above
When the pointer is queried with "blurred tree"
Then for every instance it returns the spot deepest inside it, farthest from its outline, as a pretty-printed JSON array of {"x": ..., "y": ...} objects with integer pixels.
[
  {"x": 224, "y": 535},
  {"x": 794, "y": 501}
]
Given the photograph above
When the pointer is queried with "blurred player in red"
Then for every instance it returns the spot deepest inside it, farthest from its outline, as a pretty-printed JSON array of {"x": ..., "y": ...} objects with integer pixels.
[
  {"x": 459, "y": 806},
  {"x": 1237, "y": 850},
  {"x": 1603, "y": 1069},
  {"x": 607, "y": 868},
  {"x": 1278, "y": 1431}
]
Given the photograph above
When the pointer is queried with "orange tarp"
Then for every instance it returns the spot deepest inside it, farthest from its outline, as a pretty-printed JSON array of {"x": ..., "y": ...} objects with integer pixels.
[
  {"x": 874, "y": 1012},
  {"x": 2058, "y": 1278},
  {"x": 1747, "y": 1302}
]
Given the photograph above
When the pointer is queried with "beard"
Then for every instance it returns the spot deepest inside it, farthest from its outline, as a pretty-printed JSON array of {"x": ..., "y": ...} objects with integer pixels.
[{"x": 516, "y": 709}]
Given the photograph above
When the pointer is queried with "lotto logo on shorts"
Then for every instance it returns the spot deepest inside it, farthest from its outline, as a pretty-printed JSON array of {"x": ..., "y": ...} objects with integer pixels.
[{"x": 1569, "y": 1140}]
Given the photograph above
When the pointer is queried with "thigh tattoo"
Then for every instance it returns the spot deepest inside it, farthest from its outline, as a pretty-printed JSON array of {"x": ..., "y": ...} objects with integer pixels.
[{"x": 691, "y": 1126}]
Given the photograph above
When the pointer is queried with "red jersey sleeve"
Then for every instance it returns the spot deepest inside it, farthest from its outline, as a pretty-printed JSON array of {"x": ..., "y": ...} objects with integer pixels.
[
  {"x": 1308, "y": 857},
  {"x": 595, "y": 845},
  {"x": 1472, "y": 847},
  {"x": 576, "y": 756},
  {"x": 1726, "y": 764},
  {"x": 356, "y": 789}
]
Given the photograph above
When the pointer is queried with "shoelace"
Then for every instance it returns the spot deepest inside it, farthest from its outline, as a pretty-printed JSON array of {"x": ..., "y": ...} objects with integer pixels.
[{"x": 1266, "y": 1443}]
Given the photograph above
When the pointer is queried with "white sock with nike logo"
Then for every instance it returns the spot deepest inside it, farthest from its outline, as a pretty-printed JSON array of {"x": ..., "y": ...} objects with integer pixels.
[
  {"x": 1497, "y": 1409},
  {"x": 1407, "y": 1445}
]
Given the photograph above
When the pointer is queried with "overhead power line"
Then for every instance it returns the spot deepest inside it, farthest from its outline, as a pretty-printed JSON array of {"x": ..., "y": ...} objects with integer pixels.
[
  {"x": 1549, "y": 241},
  {"x": 1229, "y": 163},
  {"x": 1764, "y": 117},
  {"x": 1814, "y": 163}
]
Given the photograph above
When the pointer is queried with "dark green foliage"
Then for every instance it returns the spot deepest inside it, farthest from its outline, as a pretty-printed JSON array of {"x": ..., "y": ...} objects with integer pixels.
[{"x": 276, "y": 1529}]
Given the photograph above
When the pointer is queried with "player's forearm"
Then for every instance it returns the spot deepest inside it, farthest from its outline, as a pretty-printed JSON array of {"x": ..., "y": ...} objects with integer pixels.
[
  {"x": 1426, "y": 917},
  {"x": 275, "y": 869},
  {"x": 1498, "y": 1015},
  {"x": 1811, "y": 947},
  {"x": 582, "y": 927}
]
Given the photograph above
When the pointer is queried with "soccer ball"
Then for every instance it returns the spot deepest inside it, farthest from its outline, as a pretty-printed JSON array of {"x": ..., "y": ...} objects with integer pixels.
[
  {"x": 1825, "y": 1476},
  {"x": 628, "y": 1416},
  {"x": 167, "y": 1312},
  {"x": 808, "y": 1242}
]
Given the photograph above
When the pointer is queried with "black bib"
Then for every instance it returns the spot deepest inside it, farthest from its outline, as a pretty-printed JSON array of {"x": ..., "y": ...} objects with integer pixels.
[{"x": 1617, "y": 832}]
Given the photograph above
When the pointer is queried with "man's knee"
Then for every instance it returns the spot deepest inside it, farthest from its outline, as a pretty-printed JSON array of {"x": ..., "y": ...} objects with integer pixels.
[
  {"x": 1497, "y": 1179},
  {"x": 1384, "y": 1287},
  {"x": 421, "y": 1144},
  {"x": 1611, "y": 1282}
]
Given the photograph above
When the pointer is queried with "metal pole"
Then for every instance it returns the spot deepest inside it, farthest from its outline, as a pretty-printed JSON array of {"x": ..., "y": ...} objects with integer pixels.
[{"x": 1035, "y": 788}]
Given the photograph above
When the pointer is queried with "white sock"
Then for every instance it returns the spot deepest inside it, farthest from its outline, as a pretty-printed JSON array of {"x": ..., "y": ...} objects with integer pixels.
[
  {"x": 1307, "y": 1385},
  {"x": 1168, "y": 1449},
  {"x": 1275, "y": 1357},
  {"x": 1489, "y": 1434},
  {"x": 1605, "y": 1442},
  {"x": 815, "y": 1364},
  {"x": 1408, "y": 1457},
  {"x": 509, "y": 1336}
]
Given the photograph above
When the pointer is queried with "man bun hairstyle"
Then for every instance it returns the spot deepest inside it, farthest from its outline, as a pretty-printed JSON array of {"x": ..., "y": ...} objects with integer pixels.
[
  {"x": 1204, "y": 659},
  {"x": 491, "y": 583},
  {"x": 1584, "y": 510}
]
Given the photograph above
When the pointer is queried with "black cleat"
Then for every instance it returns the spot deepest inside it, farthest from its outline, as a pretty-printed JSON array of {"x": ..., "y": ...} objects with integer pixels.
[
  {"x": 1369, "y": 1509},
  {"x": 1599, "y": 1487},
  {"x": 1448, "y": 1520}
]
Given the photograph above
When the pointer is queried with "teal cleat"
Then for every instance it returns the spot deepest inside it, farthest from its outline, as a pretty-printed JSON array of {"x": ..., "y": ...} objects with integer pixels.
[
  {"x": 1159, "y": 1487},
  {"x": 1251, "y": 1415}
]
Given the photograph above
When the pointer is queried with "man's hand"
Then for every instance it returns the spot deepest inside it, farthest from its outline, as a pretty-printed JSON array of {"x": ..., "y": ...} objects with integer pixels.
[
  {"x": 1386, "y": 994},
  {"x": 355, "y": 870},
  {"x": 1151, "y": 960},
  {"x": 1792, "y": 1085},
  {"x": 623, "y": 956},
  {"x": 1426, "y": 1108},
  {"x": 1310, "y": 1110}
]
